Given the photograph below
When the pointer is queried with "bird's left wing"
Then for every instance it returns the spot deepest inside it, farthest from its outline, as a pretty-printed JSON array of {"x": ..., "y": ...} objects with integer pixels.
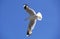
[{"x": 29, "y": 10}]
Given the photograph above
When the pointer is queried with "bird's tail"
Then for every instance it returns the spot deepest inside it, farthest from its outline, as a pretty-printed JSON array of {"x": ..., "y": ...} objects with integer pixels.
[{"x": 40, "y": 16}]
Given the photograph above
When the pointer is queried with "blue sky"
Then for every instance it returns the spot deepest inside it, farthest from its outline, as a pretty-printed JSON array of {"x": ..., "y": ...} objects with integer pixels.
[{"x": 13, "y": 25}]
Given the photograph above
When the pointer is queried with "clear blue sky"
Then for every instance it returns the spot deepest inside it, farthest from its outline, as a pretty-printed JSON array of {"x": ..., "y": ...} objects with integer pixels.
[{"x": 13, "y": 25}]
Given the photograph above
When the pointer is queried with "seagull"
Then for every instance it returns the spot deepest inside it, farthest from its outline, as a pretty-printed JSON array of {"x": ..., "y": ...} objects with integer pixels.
[{"x": 32, "y": 19}]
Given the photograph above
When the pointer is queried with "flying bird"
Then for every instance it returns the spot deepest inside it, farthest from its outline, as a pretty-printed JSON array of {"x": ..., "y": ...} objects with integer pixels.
[{"x": 32, "y": 19}]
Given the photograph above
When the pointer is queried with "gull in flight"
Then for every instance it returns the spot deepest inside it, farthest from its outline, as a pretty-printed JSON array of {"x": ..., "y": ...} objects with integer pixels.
[{"x": 33, "y": 17}]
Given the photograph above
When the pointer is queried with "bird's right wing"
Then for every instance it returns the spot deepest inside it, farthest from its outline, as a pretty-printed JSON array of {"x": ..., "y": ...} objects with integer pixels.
[
  {"x": 29, "y": 10},
  {"x": 32, "y": 24}
]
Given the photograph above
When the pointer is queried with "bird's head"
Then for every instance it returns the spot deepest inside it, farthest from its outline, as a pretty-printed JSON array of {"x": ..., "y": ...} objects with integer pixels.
[{"x": 39, "y": 16}]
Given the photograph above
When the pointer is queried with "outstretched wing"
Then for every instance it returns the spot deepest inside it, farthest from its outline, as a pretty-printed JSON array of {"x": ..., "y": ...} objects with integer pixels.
[
  {"x": 29, "y": 10},
  {"x": 31, "y": 26}
]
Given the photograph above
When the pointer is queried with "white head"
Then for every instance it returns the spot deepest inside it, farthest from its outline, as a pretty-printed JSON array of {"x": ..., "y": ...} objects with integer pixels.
[{"x": 39, "y": 16}]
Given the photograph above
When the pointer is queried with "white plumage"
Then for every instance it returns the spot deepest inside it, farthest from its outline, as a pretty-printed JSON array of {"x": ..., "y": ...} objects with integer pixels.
[{"x": 33, "y": 17}]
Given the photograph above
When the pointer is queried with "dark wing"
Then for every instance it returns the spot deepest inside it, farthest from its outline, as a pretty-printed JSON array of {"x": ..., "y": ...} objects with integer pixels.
[
  {"x": 29, "y": 10},
  {"x": 31, "y": 26}
]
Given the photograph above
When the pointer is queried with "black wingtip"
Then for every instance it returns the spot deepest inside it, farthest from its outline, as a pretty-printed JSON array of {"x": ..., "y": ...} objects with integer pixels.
[
  {"x": 28, "y": 34},
  {"x": 25, "y": 5}
]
